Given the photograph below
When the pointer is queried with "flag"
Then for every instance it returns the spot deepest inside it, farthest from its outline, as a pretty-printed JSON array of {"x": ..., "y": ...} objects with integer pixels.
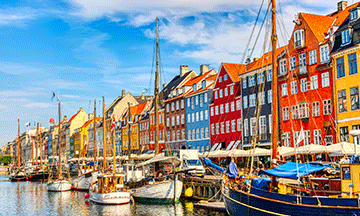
[
  {"x": 53, "y": 95},
  {"x": 113, "y": 125},
  {"x": 27, "y": 124},
  {"x": 301, "y": 137}
]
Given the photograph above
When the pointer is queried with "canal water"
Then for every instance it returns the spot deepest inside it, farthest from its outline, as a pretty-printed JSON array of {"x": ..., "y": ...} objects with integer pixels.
[{"x": 32, "y": 198}]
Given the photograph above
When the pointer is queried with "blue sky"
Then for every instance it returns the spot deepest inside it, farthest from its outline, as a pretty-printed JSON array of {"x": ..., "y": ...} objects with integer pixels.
[{"x": 85, "y": 49}]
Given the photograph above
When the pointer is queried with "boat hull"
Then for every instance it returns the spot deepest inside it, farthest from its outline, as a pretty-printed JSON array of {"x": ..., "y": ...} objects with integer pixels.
[
  {"x": 243, "y": 203},
  {"x": 113, "y": 198},
  {"x": 18, "y": 178},
  {"x": 59, "y": 185},
  {"x": 82, "y": 183},
  {"x": 39, "y": 176},
  {"x": 159, "y": 193}
]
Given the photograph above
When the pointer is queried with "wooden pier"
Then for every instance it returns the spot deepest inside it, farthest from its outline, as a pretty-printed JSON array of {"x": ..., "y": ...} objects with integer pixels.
[
  {"x": 217, "y": 206},
  {"x": 205, "y": 188}
]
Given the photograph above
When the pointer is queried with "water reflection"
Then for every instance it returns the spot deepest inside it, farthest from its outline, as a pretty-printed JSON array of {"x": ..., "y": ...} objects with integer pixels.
[{"x": 32, "y": 198}]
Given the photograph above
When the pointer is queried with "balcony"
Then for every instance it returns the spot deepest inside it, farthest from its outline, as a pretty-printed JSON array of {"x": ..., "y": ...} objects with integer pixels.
[
  {"x": 299, "y": 44},
  {"x": 301, "y": 71}
]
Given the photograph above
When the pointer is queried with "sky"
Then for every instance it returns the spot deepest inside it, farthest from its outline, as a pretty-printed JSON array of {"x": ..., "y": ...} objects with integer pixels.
[{"x": 85, "y": 49}]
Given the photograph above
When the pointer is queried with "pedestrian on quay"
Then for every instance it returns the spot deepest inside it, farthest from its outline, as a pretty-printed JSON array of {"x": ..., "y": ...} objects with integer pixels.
[{"x": 231, "y": 171}]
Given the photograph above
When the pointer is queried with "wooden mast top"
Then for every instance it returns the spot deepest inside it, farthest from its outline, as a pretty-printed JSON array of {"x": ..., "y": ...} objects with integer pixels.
[
  {"x": 95, "y": 149},
  {"x": 275, "y": 108},
  {"x": 156, "y": 90},
  {"x": 104, "y": 136},
  {"x": 18, "y": 147}
]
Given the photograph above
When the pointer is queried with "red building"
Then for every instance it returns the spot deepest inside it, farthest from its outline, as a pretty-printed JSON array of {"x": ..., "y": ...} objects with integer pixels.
[
  {"x": 161, "y": 134},
  {"x": 225, "y": 109},
  {"x": 305, "y": 81},
  {"x": 144, "y": 141}
]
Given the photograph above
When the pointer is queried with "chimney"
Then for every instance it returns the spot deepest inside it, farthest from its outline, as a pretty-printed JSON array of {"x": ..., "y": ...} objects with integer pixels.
[
  {"x": 123, "y": 93},
  {"x": 248, "y": 60},
  {"x": 341, "y": 5},
  {"x": 143, "y": 95},
  {"x": 255, "y": 59},
  {"x": 183, "y": 70},
  {"x": 164, "y": 85},
  {"x": 90, "y": 116},
  {"x": 203, "y": 69},
  {"x": 81, "y": 108}
]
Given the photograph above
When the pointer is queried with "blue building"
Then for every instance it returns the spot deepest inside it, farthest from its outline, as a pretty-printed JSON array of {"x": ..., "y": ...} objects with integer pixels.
[
  {"x": 198, "y": 95},
  {"x": 49, "y": 137}
]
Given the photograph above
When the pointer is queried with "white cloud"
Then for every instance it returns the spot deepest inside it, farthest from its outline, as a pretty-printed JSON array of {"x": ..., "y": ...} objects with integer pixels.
[{"x": 40, "y": 105}]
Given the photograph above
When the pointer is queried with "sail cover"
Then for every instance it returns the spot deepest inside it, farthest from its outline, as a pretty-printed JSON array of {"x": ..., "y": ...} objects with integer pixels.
[{"x": 294, "y": 170}]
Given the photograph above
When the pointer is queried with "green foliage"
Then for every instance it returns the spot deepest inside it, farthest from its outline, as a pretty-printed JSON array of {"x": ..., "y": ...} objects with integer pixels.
[{"x": 5, "y": 159}]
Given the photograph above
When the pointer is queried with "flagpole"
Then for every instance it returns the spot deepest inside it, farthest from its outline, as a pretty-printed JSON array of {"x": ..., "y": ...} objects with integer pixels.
[{"x": 114, "y": 154}]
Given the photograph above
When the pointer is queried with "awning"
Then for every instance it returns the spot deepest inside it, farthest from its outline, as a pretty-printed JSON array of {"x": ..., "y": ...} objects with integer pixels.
[
  {"x": 161, "y": 159},
  {"x": 214, "y": 147},
  {"x": 294, "y": 170},
  {"x": 230, "y": 145},
  {"x": 218, "y": 147},
  {"x": 236, "y": 144}
]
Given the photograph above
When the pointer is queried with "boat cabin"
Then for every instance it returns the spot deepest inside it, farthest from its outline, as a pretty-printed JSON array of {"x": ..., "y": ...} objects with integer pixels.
[
  {"x": 350, "y": 179},
  {"x": 108, "y": 183},
  {"x": 325, "y": 187}
]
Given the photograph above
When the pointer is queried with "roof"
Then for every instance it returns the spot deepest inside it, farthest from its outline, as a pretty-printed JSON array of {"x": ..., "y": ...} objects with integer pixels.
[
  {"x": 318, "y": 24},
  {"x": 202, "y": 89},
  {"x": 234, "y": 70},
  {"x": 342, "y": 15},
  {"x": 173, "y": 83},
  {"x": 90, "y": 121},
  {"x": 264, "y": 60},
  {"x": 73, "y": 117},
  {"x": 197, "y": 79}
]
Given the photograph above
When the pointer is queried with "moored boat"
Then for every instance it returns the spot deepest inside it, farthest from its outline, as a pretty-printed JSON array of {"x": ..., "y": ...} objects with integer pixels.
[{"x": 59, "y": 185}]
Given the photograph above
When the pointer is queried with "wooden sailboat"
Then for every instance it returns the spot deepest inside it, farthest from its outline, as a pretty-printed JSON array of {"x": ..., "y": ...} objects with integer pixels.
[
  {"x": 247, "y": 199},
  {"x": 18, "y": 174},
  {"x": 87, "y": 173},
  {"x": 109, "y": 187},
  {"x": 58, "y": 183},
  {"x": 159, "y": 190}
]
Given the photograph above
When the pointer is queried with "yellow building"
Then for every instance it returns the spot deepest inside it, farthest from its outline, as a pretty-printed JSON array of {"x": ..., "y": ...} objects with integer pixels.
[
  {"x": 346, "y": 79},
  {"x": 77, "y": 143}
]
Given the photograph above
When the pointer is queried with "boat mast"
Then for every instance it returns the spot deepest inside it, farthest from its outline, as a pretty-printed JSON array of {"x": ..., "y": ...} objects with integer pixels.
[
  {"x": 18, "y": 148},
  {"x": 32, "y": 151},
  {"x": 59, "y": 139},
  {"x": 114, "y": 154},
  {"x": 156, "y": 90},
  {"x": 40, "y": 143},
  {"x": 95, "y": 150},
  {"x": 275, "y": 129},
  {"x": 104, "y": 136},
  {"x": 129, "y": 131},
  {"x": 37, "y": 143}
]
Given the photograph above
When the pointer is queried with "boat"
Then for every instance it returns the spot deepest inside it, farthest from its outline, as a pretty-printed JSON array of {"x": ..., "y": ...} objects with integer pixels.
[
  {"x": 57, "y": 182},
  {"x": 18, "y": 174},
  {"x": 158, "y": 189},
  {"x": 252, "y": 195},
  {"x": 109, "y": 188}
]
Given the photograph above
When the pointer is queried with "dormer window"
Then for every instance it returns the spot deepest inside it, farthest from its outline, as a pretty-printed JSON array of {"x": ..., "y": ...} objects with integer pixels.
[
  {"x": 183, "y": 90},
  {"x": 194, "y": 87},
  {"x": 220, "y": 79},
  {"x": 299, "y": 38},
  {"x": 354, "y": 14},
  {"x": 345, "y": 36},
  {"x": 203, "y": 84}
]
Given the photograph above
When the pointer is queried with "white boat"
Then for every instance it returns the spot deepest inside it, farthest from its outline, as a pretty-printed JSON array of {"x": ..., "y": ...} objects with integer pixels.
[
  {"x": 159, "y": 192},
  {"x": 59, "y": 185},
  {"x": 82, "y": 182},
  {"x": 109, "y": 190}
]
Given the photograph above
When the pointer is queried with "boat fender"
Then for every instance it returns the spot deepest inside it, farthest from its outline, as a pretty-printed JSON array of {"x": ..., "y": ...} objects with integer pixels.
[
  {"x": 87, "y": 196},
  {"x": 189, "y": 192}
]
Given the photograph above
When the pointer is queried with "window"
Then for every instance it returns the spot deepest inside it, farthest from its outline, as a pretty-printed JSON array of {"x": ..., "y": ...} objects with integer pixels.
[
  {"x": 192, "y": 117},
  {"x": 245, "y": 82},
  {"x": 188, "y": 102},
  {"x": 193, "y": 134},
  {"x": 269, "y": 96},
  {"x": 239, "y": 124},
  {"x": 201, "y": 115},
  {"x": 221, "y": 108},
  {"x": 292, "y": 63},
  {"x": 293, "y": 87},
  {"x": 216, "y": 110},
  {"x": 314, "y": 82},
  {"x": 220, "y": 93},
  {"x": 325, "y": 79},
  {"x": 245, "y": 102},
  {"x": 201, "y": 100},
  {"x": 206, "y": 113},
  {"x": 217, "y": 128},
  {"x": 183, "y": 134},
  {"x": 344, "y": 134},
  {"x": 296, "y": 138},
  {"x": 225, "y": 77},
  {"x": 189, "y": 134},
  {"x": 340, "y": 67},
  {"x": 197, "y": 134},
  {"x": 211, "y": 111},
  {"x": 201, "y": 133},
  {"x": 352, "y": 64},
  {"x": 303, "y": 85},
  {"x": 304, "y": 110},
  {"x": 342, "y": 101},
  {"x": 269, "y": 75},
  {"x": 172, "y": 106},
  {"x": 252, "y": 99},
  {"x": 354, "y": 98},
  {"x": 173, "y": 136},
  {"x": 189, "y": 118},
  {"x": 216, "y": 94},
  {"x": 285, "y": 113},
  {"x": 222, "y": 127},
  {"x": 246, "y": 127},
  {"x": 260, "y": 78},
  {"x": 226, "y": 91},
  {"x": 287, "y": 139},
  {"x": 252, "y": 126},
  {"x": 302, "y": 59},
  {"x": 327, "y": 107},
  {"x": 353, "y": 14},
  {"x": 270, "y": 123},
  {"x": 197, "y": 100},
  {"x": 324, "y": 53},
  {"x": 167, "y": 108},
  {"x": 205, "y": 97},
  {"x": 232, "y": 106},
  {"x": 345, "y": 36},
  {"x": 299, "y": 38},
  {"x": 168, "y": 122},
  {"x": 295, "y": 112},
  {"x": 283, "y": 67},
  {"x": 227, "y": 126},
  {"x": 328, "y": 139},
  {"x": 192, "y": 102},
  {"x": 238, "y": 104},
  {"x": 307, "y": 137},
  {"x": 312, "y": 57},
  {"x": 212, "y": 129},
  {"x": 197, "y": 116},
  {"x": 356, "y": 127},
  {"x": 261, "y": 98},
  {"x": 220, "y": 79},
  {"x": 206, "y": 132},
  {"x": 177, "y": 105},
  {"x": 182, "y": 119},
  {"x": 252, "y": 80},
  {"x": 262, "y": 125},
  {"x": 316, "y": 109},
  {"x": 231, "y": 90},
  {"x": 317, "y": 137},
  {"x": 284, "y": 91},
  {"x": 177, "y": 120}
]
